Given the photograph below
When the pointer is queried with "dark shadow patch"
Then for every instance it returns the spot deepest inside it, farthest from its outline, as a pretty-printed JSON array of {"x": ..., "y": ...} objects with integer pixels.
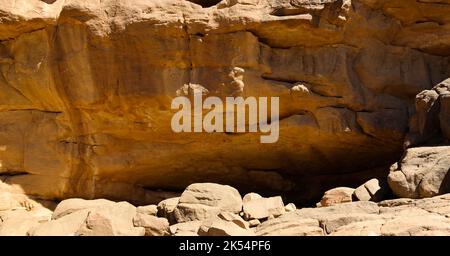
[
  {"x": 205, "y": 3},
  {"x": 445, "y": 185}
]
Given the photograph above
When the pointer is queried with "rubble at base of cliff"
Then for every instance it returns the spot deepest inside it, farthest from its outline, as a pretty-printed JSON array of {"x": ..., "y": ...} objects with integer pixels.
[{"x": 208, "y": 209}]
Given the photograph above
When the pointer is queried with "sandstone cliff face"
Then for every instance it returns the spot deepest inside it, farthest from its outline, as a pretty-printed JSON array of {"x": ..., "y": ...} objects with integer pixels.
[{"x": 86, "y": 87}]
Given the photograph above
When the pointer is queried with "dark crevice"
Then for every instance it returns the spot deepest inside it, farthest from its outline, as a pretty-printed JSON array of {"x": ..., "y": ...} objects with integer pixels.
[
  {"x": 198, "y": 34},
  {"x": 365, "y": 111},
  {"x": 265, "y": 41},
  {"x": 158, "y": 194},
  {"x": 13, "y": 173},
  {"x": 234, "y": 133},
  {"x": 188, "y": 36},
  {"x": 7, "y": 174},
  {"x": 205, "y": 3},
  {"x": 277, "y": 170},
  {"x": 79, "y": 143},
  {"x": 49, "y": 1},
  {"x": 38, "y": 110},
  {"x": 324, "y": 95},
  {"x": 278, "y": 79},
  {"x": 444, "y": 4},
  {"x": 335, "y": 106},
  {"x": 292, "y": 82},
  {"x": 281, "y": 12},
  {"x": 161, "y": 190}
]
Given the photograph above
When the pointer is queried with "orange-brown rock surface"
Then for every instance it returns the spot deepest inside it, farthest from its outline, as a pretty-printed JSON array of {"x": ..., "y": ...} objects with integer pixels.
[{"x": 86, "y": 87}]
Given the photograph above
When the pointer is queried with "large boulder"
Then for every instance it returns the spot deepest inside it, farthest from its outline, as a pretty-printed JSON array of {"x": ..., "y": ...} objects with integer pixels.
[
  {"x": 11, "y": 201},
  {"x": 422, "y": 172},
  {"x": 116, "y": 220},
  {"x": 262, "y": 208},
  {"x": 166, "y": 207},
  {"x": 91, "y": 218},
  {"x": 76, "y": 204},
  {"x": 19, "y": 222},
  {"x": 204, "y": 200},
  {"x": 290, "y": 207},
  {"x": 372, "y": 190},
  {"x": 251, "y": 196},
  {"x": 336, "y": 196},
  {"x": 67, "y": 225},
  {"x": 148, "y": 209},
  {"x": 153, "y": 225}
]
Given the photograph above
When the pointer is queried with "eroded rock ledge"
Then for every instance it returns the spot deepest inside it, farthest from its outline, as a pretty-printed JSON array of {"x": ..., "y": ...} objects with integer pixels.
[{"x": 86, "y": 86}]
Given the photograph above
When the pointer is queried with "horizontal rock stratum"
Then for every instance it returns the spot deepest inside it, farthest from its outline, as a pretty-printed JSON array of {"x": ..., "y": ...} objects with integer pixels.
[{"x": 86, "y": 87}]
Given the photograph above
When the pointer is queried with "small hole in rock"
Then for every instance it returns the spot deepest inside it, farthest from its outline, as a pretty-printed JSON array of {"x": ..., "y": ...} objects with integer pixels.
[{"x": 205, "y": 3}]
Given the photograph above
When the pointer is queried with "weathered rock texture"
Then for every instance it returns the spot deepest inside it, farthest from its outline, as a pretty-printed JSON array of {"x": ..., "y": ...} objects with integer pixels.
[
  {"x": 86, "y": 87},
  {"x": 422, "y": 172},
  {"x": 430, "y": 124},
  {"x": 336, "y": 196}
]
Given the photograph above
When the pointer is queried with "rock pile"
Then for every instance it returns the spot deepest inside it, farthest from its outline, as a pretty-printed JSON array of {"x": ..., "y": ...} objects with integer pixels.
[{"x": 207, "y": 209}]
